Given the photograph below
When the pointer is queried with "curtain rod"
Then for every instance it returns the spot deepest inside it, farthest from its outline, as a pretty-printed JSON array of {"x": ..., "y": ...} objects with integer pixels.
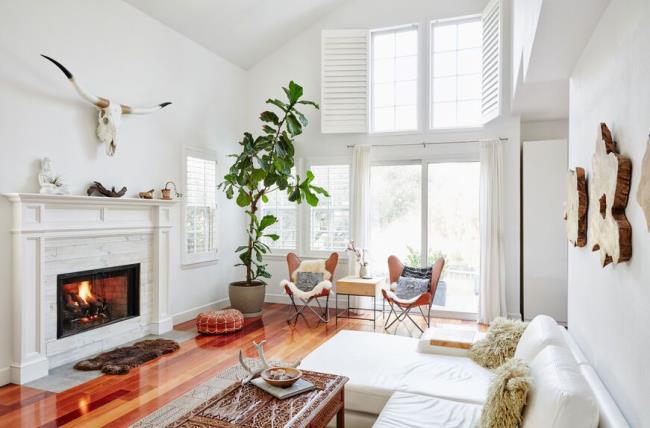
[{"x": 425, "y": 144}]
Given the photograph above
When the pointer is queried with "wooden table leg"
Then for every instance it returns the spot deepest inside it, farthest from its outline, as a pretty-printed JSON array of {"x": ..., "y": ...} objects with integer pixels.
[{"x": 340, "y": 416}]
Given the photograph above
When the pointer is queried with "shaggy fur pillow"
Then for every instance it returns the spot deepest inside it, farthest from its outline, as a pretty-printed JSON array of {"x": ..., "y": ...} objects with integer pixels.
[
  {"x": 506, "y": 396},
  {"x": 499, "y": 344}
]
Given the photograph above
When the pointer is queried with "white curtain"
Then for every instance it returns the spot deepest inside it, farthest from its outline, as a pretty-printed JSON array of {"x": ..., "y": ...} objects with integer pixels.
[
  {"x": 492, "y": 299},
  {"x": 359, "y": 201},
  {"x": 359, "y": 210}
]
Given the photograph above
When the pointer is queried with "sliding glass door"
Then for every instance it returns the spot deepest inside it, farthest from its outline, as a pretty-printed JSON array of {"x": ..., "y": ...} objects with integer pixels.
[
  {"x": 395, "y": 214},
  {"x": 453, "y": 233},
  {"x": 443, "y": 198}
]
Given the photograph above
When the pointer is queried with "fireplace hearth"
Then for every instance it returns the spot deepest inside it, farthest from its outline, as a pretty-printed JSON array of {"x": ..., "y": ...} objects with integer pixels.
[{"x": 94, "y": 298}]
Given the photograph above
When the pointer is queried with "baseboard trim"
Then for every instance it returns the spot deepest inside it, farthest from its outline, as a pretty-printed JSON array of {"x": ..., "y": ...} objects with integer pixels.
[
  {"x": 5, "y": 375},
  {"x": 189, "y": 314}
]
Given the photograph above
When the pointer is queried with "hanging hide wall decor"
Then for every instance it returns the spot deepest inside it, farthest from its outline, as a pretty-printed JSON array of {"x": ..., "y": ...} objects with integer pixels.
[
  {"x": 110, "y": 113},
  {"x": 576, "y": 207},
  {"x": 609, "y": 230},
  {"x": 643, "y": 194}
]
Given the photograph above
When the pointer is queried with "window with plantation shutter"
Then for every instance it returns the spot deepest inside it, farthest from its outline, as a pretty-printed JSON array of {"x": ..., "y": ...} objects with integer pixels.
[
  {"x": 491, "y": 91},
  {"x": 344, "y": 81},
  {"x": 199, "y": 206},
  {"x": 330, "y": 220}
]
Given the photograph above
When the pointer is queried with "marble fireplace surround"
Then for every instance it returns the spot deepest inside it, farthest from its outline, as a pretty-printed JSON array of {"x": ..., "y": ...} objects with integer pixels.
[{"x": 56, "y": 234}]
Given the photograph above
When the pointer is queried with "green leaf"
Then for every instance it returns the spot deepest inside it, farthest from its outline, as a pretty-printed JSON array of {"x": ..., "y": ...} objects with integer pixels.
[
  {"x": 278, "y": 103},
  {"x": 293, "y": 125},
  {"x": 241, "y": 248},
  {"x": 257, "y": 175},
  {"x": 311, "y": 199},
  {"x": 319, "y": 190},
  {"x": 267, "y": 221},
  {"x": 243, "y": 199},
  {"x": 273, "y": 236},
  {"x": 269, "y": 129},
  {"x": 265, "y": 198},
  {"x": 295, "y": 92},
  {"x": 311, "y": 103},
  {"x": 295, "y": 195},
  {"x": 269, "y": 116},
  {"x": 301, "y": 117}
]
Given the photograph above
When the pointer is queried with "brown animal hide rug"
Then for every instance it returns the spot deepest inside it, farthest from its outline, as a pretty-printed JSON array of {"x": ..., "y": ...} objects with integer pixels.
[{"x": 121, "y": 360}]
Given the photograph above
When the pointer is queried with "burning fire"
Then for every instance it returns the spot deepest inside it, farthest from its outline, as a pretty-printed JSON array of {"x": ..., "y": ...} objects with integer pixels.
[{"x": 84, "y": 291}]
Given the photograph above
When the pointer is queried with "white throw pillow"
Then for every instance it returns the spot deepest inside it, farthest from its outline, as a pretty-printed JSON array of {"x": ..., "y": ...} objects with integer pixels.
[
  {"x": 541, "y": 332},
  {"x": 560, "y": 396}
]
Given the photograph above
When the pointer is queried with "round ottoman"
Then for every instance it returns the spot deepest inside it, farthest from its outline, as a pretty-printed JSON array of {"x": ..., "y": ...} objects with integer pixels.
[{"x": 220, "y": 322}]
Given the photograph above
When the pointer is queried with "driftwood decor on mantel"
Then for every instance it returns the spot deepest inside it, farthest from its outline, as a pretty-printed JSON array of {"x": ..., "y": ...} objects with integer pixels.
[
  {"x": 97, "y": 187},
  {"x": 610, "y": 231},
  {"x": 576, "y": 207},
  {"x": 643, "y": 194}
]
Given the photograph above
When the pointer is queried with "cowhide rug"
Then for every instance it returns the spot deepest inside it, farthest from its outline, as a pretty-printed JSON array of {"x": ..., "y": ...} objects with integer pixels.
[{"x": 122, "y": 360}]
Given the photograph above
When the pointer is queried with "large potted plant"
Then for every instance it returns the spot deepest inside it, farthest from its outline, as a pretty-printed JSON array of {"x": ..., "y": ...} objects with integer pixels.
[{"x": 263, "y": 166}]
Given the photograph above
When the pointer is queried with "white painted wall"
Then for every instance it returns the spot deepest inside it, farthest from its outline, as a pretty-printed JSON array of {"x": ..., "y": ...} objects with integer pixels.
[
  {"x": 118, "y": 52},
  {"x": 609, "y": 309},
  {"x": 299, "y": 60},
  {"x": 538, "y": 130}
]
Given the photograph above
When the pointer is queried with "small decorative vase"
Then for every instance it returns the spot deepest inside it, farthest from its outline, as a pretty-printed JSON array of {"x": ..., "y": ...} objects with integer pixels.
[{"x": 363, "y": 271}]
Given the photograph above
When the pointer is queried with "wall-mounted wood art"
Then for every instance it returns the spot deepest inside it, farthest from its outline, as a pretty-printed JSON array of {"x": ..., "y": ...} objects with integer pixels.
[
  {"x": 576, "y": 207},
  {"x": 643, "y": 194},
  {"x": 609, "y": 230}
]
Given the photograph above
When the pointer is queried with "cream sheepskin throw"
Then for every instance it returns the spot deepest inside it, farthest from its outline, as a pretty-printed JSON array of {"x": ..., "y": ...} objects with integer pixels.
[
  {"x": 499, "y": 343},
  {"x": 506, "y": 396},
  {"x": 317, "y": 266}
]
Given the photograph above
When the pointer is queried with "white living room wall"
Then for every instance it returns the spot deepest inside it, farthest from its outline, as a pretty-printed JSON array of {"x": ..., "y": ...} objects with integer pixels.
[
  {"x": 300, "y": 60},
  {"x": 116, "y": 51},
  {"x": 609, "y": 309}
]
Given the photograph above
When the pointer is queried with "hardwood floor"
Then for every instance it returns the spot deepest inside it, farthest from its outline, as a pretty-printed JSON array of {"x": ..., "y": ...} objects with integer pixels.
[{"x": 117, "y": 401}]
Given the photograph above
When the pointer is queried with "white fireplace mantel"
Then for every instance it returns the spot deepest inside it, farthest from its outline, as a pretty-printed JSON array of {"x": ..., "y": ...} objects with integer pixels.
[{"x": 42, "y": 219}]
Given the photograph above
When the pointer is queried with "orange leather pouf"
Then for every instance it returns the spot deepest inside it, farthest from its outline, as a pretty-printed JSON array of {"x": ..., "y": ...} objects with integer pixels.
[{"x": 220, "y": 322}]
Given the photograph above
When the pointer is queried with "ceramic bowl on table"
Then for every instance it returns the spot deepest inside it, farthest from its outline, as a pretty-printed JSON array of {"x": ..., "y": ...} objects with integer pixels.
[{"x": 282, "y": 377}]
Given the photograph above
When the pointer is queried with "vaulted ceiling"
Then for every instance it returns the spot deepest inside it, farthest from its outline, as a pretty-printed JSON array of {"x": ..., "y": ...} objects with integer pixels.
[{"x": 241, "y": 31}]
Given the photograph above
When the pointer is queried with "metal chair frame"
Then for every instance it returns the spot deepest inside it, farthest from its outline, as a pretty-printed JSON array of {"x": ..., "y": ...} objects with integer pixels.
[
  {"x": 324, "y": 316},
  {"x": 406, "y": 313}
]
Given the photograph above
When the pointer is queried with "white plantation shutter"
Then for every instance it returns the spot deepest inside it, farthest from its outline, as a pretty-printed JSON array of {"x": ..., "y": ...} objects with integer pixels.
[
  {"x": 200, "y": 203},
  {"x": 330, "y": 220},
  {"x": 344, "y": 81},
  {"x": 491, "y": 96}
]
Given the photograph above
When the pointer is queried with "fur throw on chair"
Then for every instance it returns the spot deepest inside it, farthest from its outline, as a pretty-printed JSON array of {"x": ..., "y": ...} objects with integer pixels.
[{"x": 316, "y": 266}]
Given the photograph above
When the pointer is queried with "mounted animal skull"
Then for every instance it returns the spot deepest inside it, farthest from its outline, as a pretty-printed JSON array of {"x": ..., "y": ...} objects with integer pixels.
[{"x": 110, "y": 113}]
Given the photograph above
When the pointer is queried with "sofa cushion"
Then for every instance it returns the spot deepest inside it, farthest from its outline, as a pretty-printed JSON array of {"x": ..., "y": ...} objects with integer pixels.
[
  {"x": 541, "y": 332},
  {"x": 560, "y": 397},
  {"x": 406, "y": 410},
  {"x": 380, "y": 364}
]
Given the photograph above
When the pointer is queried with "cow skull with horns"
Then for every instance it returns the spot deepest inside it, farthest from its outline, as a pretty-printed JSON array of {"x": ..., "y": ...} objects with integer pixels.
[{"x": 110, "y": 113}]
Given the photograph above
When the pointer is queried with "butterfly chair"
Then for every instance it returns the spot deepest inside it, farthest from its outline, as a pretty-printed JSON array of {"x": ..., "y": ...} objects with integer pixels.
[
  {"x": 402, "y": 307},
  {"x": 321, "y": 291}
]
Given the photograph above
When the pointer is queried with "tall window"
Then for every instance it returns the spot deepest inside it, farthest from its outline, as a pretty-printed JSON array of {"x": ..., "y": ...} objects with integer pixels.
[
  {"x": 456, "y": 70},
  {"x": 394, "y": 77},
  {"x": 330, "y": 220},
  {"x": 200, "y": 203},
  {"x": 285, "y": 211}
]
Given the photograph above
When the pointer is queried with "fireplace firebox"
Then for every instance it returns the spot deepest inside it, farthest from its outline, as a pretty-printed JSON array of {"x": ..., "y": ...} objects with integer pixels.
[{"x": 94, "y": 298}]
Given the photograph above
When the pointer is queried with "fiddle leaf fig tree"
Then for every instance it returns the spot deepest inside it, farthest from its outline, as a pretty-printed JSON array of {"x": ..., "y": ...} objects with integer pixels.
[{"x": 264, "y": 166}]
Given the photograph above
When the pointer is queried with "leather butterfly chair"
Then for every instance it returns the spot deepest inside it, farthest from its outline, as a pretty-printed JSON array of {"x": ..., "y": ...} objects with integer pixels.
[
  {"x": 395, "y": 268},
  {"x": 293, "y": 262}
]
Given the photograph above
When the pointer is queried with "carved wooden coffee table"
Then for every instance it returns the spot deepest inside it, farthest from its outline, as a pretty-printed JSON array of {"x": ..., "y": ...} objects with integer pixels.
[{"x": 246, "y": 406}]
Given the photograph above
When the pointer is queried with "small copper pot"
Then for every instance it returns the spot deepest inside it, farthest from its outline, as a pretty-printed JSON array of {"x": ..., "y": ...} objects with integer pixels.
[{"x": 166, "y": 193}]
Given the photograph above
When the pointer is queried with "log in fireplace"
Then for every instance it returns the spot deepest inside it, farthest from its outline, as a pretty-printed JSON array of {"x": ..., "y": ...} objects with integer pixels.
[{"x": 94, "y": 298}]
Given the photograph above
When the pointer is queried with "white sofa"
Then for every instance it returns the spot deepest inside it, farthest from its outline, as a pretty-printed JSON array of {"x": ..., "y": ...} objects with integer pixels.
[{"x": 394, "y": 382}]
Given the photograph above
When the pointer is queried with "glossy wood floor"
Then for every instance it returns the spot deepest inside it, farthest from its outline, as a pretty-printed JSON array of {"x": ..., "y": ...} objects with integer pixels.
[{"x": 117, "y": 401}]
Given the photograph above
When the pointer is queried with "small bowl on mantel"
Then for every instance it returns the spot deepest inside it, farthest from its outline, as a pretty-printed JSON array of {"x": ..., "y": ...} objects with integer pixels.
[{"x": 282, "y": 377}]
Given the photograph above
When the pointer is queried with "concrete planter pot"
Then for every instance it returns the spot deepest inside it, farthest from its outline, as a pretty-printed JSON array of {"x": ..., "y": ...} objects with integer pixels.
[{"x": 248, "y": 299}]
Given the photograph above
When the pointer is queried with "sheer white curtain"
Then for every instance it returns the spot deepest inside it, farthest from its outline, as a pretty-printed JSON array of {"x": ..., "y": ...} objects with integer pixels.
[
  {"x": 359, "y": 201},
  {"x": 492, "y": 299}
]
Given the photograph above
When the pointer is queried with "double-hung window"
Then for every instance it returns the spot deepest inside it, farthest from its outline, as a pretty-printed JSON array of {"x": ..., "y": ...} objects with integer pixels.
[
  {"x": 394, "y": 79},
  {"x": 329, "y": 222},
  {"x": 199, "y": 206},
  {"x": 456, "y": 73},
  {"x": 285, "y": 211}
]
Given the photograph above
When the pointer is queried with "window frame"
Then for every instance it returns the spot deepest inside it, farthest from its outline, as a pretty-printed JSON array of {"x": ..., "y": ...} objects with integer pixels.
[
  {"x": 429, "y": 74},
  {"x": 419, "y": 83},
  {"x": 306, "y": 210},
  {"x": 282, "y": 252},
  {"x": 211, "y": 255}
]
